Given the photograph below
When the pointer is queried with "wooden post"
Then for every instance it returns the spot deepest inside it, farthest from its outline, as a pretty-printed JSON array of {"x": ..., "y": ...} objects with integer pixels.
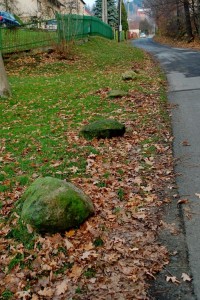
[{"x": 4, "y": 85}]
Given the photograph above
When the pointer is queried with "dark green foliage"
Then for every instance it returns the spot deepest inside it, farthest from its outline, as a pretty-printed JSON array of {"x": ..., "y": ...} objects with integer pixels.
[
  {"x": 121, "y": 194},
  {"x": 98, "y": 9},
  {"x": 15, "y": 261},
  {"x": 98, "y": 242},
  {"x": 124, "y": 18},
  {"x": 89, "y": 273},
  {"x": 112, "y": 11},
  {"x": 145, "y": 26},
  {"x": 6, "y": 295},
  {"x": 21, "y": 235}
]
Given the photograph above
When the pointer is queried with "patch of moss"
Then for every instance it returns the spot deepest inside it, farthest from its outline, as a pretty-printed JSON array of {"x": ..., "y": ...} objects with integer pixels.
[{"x": 105, "y": 128}]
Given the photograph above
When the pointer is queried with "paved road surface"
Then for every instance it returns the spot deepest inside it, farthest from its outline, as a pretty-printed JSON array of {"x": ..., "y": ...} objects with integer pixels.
[{"x": 182, "y": 67}]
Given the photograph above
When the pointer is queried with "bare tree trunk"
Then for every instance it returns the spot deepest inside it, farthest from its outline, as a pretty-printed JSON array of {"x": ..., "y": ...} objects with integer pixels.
[
  {"x": 194, "y": 16},
  {"x": 198, "y": 16},
  {"x": 178, "y": 17},
  {"x": 4, "y": 85},
  {"x": 188, "y": 20}
]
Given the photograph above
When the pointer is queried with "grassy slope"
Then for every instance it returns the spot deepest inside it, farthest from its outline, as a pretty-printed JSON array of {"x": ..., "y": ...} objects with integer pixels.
[{"x": 51, "y": 101}]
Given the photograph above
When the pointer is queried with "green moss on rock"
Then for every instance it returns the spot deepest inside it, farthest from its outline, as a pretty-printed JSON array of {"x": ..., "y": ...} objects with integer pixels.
[
  {"x": 53, "y": 205},
  {"x": 117, "y": 94},
  {"x": 106, "y": 128},
  {"x": 129, "y": 75}
]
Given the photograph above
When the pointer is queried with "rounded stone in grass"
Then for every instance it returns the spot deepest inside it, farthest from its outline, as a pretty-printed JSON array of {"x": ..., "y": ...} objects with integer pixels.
[
  {"x": 53, "y": 205},
  {"x": 117, "y": 94},
  {"x": 101, "y": 129},
  {"x": 129, "y": 75}
]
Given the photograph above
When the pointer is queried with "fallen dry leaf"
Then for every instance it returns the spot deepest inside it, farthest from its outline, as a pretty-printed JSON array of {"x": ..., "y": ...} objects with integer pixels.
[
  {"x": 23, "y": 295},
  {"x": 34, "y": 297},
  {"x": 172, "y": 279},
  {"x": 62, "y": 287},
  {"x": 186, "y": 277},
  {"x": 185, "y": 143},
  {"x": 46, "y": 292},
  {"x": 70, "y": 233},
  {"x": 29, "y": 228},
  {"x": 68, "y": 244},
  {"x": 183, "y": 201},
  {"x": 76, "y": 272}
]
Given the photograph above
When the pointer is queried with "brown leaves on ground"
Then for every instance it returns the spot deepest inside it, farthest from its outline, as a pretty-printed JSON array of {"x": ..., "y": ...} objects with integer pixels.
[
  {"x": 195, "y": 44},
  {"x": 113, "y": 254}
]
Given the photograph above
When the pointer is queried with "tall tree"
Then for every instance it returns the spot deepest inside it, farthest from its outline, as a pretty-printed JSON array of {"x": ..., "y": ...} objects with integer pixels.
[
  {"x": 145, "y": 26},
  {"x": 124, "y": 18},
  {"x": 112, "y": 11},
  {"x": 98, "y": 9},
  {"x": 188, "y": 24},
  {"x": 173, "y": 17}
]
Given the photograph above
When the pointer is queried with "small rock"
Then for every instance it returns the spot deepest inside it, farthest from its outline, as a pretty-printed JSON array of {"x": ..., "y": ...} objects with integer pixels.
[
  {"x": 129, "y": 75},
  {"x": 117, "y": 94},
  {"x": 106, "y": 128}
]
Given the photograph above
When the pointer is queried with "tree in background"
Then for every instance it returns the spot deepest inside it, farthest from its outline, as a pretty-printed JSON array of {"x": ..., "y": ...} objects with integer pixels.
[
  {"x": 175, "y": 18},
  {"x": 124, "y": 18},
  {"x": 112, "y": 11},
  {"x": 145, "y": 26},
  {"x": 97, "y": 10}
]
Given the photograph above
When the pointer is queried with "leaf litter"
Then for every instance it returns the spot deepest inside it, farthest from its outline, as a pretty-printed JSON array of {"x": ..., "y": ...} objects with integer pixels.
[{"x": 114, "y": 253}]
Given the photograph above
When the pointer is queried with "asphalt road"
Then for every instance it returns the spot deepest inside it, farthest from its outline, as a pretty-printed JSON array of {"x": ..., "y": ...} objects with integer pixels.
[{"x": 182, "y": 67}]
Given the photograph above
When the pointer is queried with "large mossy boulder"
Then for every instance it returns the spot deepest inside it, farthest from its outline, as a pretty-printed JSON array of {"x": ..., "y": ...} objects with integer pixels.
[
  {"x": 53, "y": 205},
  {"x": 106, "y": 128}
]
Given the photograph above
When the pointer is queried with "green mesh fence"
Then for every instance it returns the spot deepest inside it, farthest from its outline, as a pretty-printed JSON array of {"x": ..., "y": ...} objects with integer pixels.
[
  {"x": 27, "y": 37},
  {"x": 48, "y": 33},
  {"x": 75, "y": 27}
]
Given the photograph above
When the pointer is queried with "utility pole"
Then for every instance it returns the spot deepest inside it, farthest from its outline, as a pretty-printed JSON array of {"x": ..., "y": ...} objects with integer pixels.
[
  {"x": 119, "y": 20},
  {"x": 4, "y": 85},
  {"x": 104, "y": 11},
  {"x": 128, "y": 2}
]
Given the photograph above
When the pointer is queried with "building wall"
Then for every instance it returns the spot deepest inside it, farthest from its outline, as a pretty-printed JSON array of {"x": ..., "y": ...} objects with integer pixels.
[
  {"x": 27, "y": 10},
  {"x": 73, "y": 7}
]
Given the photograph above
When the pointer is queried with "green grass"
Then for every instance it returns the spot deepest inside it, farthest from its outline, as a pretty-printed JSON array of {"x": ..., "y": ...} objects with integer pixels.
[
  {"x": 6, "y": 295},
  {"x": 24, "y": 38},
  {"x": 89, "y": 273},
  {"x": 50, "y": 103}
]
